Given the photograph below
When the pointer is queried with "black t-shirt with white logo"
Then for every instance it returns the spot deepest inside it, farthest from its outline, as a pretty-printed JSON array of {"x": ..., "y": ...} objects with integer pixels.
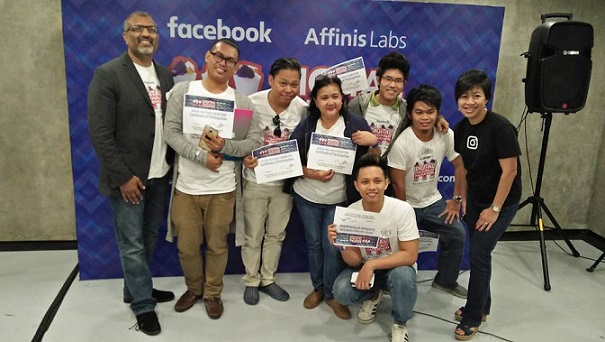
[{"x": 481, "y": 146}]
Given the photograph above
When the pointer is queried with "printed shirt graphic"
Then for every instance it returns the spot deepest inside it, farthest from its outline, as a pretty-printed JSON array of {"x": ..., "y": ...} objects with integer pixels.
[
  {"x": 289, "y": 119},
  {"x": 421, "y": 162},
  {"x": 384, "y": 249},
  {"x": 383, "y": 121},
  {"x": 158, "y": 166},
  {"x": 400, "y": 226},
  {"x": 155, "y": 95}
]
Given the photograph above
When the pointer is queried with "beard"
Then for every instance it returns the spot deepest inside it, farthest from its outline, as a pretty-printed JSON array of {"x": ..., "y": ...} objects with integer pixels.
[{"x": 145, "y": 51}]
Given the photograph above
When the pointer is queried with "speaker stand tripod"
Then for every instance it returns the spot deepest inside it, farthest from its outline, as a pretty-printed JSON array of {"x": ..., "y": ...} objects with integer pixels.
[
  {"x": 538, "y": 205},
  {"x": 591, "y": 268}
]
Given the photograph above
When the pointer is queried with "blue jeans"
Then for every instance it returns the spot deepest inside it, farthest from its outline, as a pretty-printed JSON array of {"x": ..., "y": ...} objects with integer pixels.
[
  {"x": 136, "y": 227},
  {"x": 478, "y": 301},
  {"x": 451, "y": 237},
  {"x": 325, "y": 261},
  {"x": 399, "y": 281}
]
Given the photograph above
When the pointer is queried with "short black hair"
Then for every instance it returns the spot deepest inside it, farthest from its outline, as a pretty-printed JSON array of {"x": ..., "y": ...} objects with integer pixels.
[
  {"x": 228, "y": 42},
  {"x": 135, "y": 14},
  {"x": 472, "y": 79},
  {"x": 320, "y": 82},
  {"x": 286, "y": 63},
  {"x": 394, "y": 60},
  {"x": 367, "y": 160},
  {"x": 425, "y": 93}
]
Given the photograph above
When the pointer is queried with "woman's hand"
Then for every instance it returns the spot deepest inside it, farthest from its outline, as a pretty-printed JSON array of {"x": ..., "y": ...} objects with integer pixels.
[
  {"x": 486, "y": 220},
  {"x": 332, "y": 233}
]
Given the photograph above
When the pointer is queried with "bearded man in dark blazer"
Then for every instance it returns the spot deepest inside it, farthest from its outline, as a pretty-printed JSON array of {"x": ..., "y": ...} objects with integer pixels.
[{"x": 126, "y": 107}]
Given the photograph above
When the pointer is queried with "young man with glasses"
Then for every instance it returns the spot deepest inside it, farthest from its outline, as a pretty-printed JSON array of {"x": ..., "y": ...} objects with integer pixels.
[
  {"x": 384, "y": 109},
  {"x": 126, "y": 106},
  {"x": 266, "y": 207},
  {"x": 204, "y": 183}
]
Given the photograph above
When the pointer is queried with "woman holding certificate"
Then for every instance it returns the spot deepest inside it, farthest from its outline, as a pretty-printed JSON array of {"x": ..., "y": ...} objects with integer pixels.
[{"x": 329, "y": 140}]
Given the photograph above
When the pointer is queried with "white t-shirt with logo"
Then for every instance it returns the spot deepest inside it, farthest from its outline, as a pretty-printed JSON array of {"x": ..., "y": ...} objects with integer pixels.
[
  {"x": 158, "y": 167},
  {"x": 421, "y": 162},
  {"x": 195, "y": 179},
  {"x": 383, "y": 121},
  {"x": 289, "y": 119},
  {"x": 400, "y": 225}
]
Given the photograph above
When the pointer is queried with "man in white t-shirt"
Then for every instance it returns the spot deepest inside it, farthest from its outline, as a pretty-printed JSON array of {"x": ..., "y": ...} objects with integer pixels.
[
  {"x": 266, "y": 207},
  {"x": 392, "y": 264},
  {"x": 204, "y": 183},
  {"x": 415, "y": 161}
]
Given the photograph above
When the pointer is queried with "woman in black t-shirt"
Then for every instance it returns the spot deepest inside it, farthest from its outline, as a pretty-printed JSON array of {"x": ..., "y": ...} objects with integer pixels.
[{"x": 490, "y": 151}]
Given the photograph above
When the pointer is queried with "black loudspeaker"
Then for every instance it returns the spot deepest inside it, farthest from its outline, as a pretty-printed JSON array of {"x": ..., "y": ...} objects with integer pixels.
[{"x": 558, "y": 66}]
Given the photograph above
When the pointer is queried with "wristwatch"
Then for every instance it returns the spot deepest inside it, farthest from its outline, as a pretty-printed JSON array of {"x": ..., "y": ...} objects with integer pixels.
[
  {"x": 457, "y": 198},
  {"x": 496, "y": 208}
]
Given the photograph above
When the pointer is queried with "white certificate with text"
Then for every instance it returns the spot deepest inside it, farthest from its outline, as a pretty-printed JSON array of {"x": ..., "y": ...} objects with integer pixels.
[
  {"x": 199, "y": 111},
  {"x": 428, "y": 241},
  {"x": 277, "y": 161},
  {"x": 328, "y": 152},
  {"x": 352, "y": 74},
  {"x": 357, "y": 228}
]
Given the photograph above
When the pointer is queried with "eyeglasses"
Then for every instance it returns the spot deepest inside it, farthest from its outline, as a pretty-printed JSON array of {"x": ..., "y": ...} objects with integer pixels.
[
  {"x": 140, "y": 28},
  {"x": 277, "y": 123},
  {"x": 388, "y": 80},
  {"x": 219, "y": 58}
]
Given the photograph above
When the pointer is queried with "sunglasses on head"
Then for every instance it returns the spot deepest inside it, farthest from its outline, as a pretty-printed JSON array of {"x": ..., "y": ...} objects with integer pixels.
[
  {"x": 277, "y": 123},
  {"x": 324, "y": 77}
]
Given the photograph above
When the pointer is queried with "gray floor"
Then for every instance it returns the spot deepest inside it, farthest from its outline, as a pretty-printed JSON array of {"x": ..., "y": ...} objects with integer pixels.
[{"x": 574, "y": 310}]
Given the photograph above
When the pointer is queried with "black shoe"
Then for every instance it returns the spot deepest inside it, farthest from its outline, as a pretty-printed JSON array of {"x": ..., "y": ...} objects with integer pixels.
[
  {"x": 162, "y": 296},
  {"x": 251, "y": 295},
  {"x": 159, "y": 295},
  {"x": 147, "y": 322},
  {"x": 275, "y": 291}
]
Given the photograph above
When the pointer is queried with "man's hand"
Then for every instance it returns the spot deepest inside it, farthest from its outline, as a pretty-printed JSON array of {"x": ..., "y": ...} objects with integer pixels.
[
  {"x": 452, "y": 211},
  {"x": 214, "y": 161},
  {"x": 364, "y": 138},
  {"x": 250, "y": 162},
  {"x": 323, "y": 176},
  {"x": 131, "y": 190},
  {"x": 364, "y": 277},
  {"x": 216, "y": 143}
]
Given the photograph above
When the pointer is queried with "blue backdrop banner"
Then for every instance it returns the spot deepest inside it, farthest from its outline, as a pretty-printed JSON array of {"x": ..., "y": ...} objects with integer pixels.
[{"x": 440, "y": 41}]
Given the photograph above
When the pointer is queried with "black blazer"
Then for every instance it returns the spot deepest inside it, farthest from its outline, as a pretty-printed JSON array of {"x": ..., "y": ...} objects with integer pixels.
[{"x": 121, "y": 122}]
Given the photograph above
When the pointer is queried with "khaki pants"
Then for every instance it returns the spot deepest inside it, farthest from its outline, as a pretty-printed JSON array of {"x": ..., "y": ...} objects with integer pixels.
[
  {"x": 266, "y": 214},
  {"x": 198, "y": 219}
]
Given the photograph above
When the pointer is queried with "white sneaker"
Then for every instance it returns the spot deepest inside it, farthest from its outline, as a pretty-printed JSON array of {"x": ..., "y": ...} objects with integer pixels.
[
  {"x": 367, "y": 311},
  {"x": 399, "y": 333}
]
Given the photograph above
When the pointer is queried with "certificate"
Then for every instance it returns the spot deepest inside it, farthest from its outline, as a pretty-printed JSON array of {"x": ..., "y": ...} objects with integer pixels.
[
  {"x": 199, "y": 111},
  {"x": 428, "y": 241},
  {"x": 357, "y": 228},
  {"x": 277, "y": 161},
  {"x": 352, "y": 74},
  {"x": 328, "y": 152}
]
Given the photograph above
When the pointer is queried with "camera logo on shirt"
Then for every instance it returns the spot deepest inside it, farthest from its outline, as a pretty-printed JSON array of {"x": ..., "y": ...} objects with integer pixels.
[{"x": 472, "y": 142}]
